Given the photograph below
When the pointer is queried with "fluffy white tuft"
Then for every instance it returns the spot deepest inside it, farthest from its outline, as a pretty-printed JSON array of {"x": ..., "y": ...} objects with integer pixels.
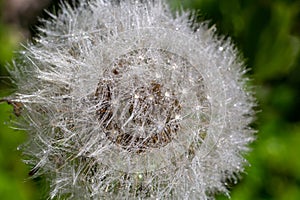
[{"x": 125, "y": 101}]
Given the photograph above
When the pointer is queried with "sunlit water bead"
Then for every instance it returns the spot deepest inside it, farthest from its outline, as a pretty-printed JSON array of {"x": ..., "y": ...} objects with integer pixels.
[{"x": 152, "y": 115}]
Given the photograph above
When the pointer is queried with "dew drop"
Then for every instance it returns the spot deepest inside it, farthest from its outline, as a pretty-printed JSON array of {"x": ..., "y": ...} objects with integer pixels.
[
  {"x": 151, "y": 97},
  {"x": 174, "y": 66},
  {"x": 184, "y": 91},
  {"x": 157, "y": 75},
  {"x": 198, "y": 107}
]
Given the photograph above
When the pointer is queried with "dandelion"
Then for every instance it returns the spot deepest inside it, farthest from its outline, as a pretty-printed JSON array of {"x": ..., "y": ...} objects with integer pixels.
[{"x": 125, "y": 101}]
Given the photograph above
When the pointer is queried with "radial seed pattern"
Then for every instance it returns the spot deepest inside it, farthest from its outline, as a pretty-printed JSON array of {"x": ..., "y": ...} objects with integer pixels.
[{"x": 125, "y": 101}]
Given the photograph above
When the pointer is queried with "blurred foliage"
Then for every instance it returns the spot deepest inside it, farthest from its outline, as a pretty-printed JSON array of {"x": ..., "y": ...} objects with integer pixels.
[
  {"x": 14, "y": 182},
  {"x": 267, "y": 32}
]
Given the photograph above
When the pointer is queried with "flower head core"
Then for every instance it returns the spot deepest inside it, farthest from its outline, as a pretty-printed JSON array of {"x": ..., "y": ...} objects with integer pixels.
[
  {"x": 139, "y": 114},
  {"x": 125, "y": 101}
]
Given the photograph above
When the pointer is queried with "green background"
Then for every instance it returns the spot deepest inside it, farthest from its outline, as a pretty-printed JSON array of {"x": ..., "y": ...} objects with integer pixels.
[{"x": 267, "y": 32}]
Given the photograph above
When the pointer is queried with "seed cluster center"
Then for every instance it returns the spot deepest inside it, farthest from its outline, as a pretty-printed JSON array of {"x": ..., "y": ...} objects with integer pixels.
[{"x": 138, "y": 105}]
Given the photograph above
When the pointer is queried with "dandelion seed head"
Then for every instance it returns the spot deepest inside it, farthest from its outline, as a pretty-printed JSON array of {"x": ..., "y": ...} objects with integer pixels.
[{"x": 126, "y": 101}]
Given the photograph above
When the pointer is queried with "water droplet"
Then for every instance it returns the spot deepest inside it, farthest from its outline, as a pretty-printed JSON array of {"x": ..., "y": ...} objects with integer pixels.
[
  {"x": 177, "y": 117},
  {"x": 198, "y": 107},
  {"x": 151, "y": 97},
  {"x": 184, "y": 91},
  {"x": 167, "y": 94},
  {"x": 221, "y": 48},
  {"x": 114, "y": 102},
  {"x": 141, "y": 129},
  {"x": 160, "y": 127},
  {"x": 157, "y": 75}
]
